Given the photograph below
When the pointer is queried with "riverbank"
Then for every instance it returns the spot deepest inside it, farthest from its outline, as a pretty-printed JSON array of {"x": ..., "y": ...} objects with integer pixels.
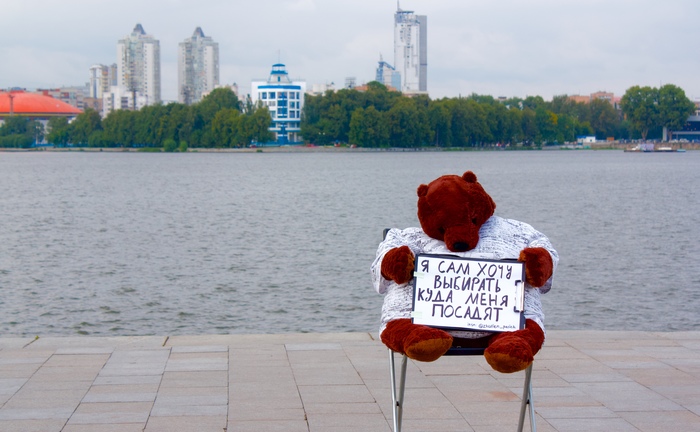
[
  {"x": 313, "y": 382},
  {"x": 343, "y": 149}
]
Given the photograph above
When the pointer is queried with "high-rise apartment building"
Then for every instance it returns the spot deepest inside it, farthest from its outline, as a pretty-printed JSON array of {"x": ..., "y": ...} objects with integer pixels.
[
  {"x": 102, "y": 77},
  {"x": 411, "y": 50},
  {"x": 198, "y": 67},
  {"x": 138, "y": 67}
]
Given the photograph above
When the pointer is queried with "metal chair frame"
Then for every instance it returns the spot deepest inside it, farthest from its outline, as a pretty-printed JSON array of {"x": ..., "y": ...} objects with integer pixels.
[{"x": 397, "y": 394}]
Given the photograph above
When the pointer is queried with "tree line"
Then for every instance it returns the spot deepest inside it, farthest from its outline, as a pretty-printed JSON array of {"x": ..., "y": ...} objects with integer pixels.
[
  {"x": 375, "y": 118},
  {"x": 381, "y": 118},
  {"x": 218, "y": 121}
]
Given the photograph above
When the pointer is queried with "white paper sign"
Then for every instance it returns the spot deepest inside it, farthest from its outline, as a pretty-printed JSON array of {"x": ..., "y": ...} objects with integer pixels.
[{"x": 473, "y": 294}]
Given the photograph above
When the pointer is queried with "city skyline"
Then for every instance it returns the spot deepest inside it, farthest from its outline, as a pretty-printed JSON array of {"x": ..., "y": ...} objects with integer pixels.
[{"x": 543, "y": 48}]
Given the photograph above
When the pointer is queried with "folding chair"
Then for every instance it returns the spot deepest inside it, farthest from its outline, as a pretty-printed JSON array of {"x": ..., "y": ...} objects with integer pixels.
[{"x": 397, "y": 394}]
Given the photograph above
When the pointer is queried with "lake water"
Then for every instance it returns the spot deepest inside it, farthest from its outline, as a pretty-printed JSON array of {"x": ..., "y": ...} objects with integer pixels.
[{"x": 168, "y": 244}]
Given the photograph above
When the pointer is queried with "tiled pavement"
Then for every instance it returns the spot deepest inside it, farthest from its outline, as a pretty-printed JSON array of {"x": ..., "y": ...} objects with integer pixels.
[{"x": 582, "y": 381}]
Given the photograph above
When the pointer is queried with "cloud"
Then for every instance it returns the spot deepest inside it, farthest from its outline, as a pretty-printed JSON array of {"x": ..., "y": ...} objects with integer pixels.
[{"x": 508, "y": 47}]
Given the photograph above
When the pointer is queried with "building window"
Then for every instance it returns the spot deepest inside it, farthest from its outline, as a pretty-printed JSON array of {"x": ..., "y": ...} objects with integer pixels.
[
  {"x": 272, "y": 95},
  {"x": 263, "y": 95}
]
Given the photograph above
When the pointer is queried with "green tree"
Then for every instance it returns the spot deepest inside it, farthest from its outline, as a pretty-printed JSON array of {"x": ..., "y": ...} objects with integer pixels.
[
  {"x": 14, "y": 133},
  {"x": 59, "y": 131},
  {"x": 169, "y": 145},
  {"x": 603, "y": 118},
  {"x": 640, "y": 105},
  {"x": 546, "y": 123},
  {"x": 469, "y": 125},
  {"x": 566, "y": 128},
  {"x": 529, "y": 126},
  {"x": 119, "y": 128},
  {"x": 259, "y": 126},
  {"x": 225, "y": 127},
  {"x": 674, "y": 107},
  {"x": 439, "y": 119},
  {"x": 217, "y": 100},
  {"x": 97, "y": 139},
  {"x": 84, "y": 125},
  {"x": 408, "y": 124},
  {"x": 14, "y": 125},
  {"x": 514, "y": 123},
  {"x": 331, "y": 125},
  {"x": 368, "y": 128}
]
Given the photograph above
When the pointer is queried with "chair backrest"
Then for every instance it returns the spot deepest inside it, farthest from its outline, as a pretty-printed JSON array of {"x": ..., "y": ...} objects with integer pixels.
[{"x": 461, "y": 351}]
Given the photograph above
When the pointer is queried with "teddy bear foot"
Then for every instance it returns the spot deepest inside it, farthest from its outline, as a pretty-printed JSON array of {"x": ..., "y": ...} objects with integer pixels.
[
  {"x": 427, "y": 346},
  {"x": 418, "y": 342},
  {"x": 513, "y": 352},
  {"x": 509, "y": 354}
]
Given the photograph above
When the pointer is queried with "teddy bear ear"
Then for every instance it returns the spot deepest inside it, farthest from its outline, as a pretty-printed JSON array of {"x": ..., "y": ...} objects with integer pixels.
[
  {"x": 469, "y": 177},
  {"x": 422, "y": 190}
]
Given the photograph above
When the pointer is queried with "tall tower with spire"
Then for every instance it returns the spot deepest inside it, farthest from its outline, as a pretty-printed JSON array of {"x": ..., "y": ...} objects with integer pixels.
[
  {"x": 411, "y": 50},
  {"x": 198, "y": 67}
]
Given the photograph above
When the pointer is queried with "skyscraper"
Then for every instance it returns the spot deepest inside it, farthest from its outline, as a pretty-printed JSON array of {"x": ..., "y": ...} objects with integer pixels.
[
  {"x": 138, "y": 67},
  {"x": 411, "y": 50},
  {"x": 197, "y": 66}
]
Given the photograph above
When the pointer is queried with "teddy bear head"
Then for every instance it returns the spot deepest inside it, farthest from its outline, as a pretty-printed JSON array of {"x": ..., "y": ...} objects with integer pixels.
[{"x": 453, "y": 208}]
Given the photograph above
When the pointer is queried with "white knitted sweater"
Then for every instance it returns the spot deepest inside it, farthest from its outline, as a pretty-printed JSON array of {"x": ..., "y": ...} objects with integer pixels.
[{"x": 498, "y": 239}]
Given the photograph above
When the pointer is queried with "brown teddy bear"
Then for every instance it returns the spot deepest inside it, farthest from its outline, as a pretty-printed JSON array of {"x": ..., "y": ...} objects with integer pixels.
[{"x": 456, "y": 217}]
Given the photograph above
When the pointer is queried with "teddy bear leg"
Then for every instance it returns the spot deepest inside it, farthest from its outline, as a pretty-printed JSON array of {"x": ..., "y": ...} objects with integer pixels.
[
  {"x": 418, "y": 342},
  {"x": 514, "y": 351}
]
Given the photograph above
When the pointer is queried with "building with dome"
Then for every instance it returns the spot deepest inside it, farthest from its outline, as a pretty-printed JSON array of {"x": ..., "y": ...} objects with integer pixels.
[
  {"x": 34, "y": 106},
  {"x": 284, "y": 99}
]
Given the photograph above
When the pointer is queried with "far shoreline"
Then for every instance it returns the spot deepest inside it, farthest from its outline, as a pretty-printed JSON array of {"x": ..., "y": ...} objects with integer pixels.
[{"x": 346, "y": 149}]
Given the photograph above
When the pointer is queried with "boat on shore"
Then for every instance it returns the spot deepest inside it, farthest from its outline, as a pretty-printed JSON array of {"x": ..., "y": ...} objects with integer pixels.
[
  {"x": 651, "y": 148},
  {"x": 641, "y": 148}
]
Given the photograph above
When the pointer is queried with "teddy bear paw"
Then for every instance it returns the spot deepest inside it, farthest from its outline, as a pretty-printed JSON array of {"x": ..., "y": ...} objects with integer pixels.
[
  {"x": 427, "y": 344},
  {"x": 509, "y": 354}
]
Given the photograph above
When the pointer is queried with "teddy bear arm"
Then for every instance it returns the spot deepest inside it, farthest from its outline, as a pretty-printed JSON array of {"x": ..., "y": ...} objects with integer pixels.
[
  {"x": 539, "y": 265},
  {"x": 397, "y": 264}
]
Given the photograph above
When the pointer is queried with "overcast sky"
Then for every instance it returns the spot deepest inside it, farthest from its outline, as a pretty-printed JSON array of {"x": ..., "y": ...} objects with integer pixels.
[{"x": 494, "y": 47}]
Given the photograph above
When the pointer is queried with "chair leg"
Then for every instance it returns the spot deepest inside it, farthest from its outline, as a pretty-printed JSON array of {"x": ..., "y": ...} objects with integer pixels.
[
  {"x": 527, "y": 400},
  {"x": 397, "y": 394}
]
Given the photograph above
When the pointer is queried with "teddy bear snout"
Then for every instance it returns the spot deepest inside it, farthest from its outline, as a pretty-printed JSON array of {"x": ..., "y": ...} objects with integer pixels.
[
  {"x": 460, "y": 247},
  {"x": 461, "y": 238}
]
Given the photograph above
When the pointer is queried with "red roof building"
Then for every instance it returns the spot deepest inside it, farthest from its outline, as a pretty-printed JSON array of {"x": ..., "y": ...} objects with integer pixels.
[{"x": 21, "y": 103}]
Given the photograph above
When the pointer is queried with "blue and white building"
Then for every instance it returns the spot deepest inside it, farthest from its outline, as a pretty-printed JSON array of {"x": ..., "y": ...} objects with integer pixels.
[
  {"x": 388, "y": 75},
  {"x": 284, "y": 99}
]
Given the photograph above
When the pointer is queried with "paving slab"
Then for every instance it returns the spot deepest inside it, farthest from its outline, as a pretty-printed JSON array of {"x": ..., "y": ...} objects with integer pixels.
[{"x": 312, "y": 382}]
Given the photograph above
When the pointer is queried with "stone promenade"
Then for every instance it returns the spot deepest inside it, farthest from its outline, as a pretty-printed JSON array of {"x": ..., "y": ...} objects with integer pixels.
[{"x": 582, "y": 381}]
